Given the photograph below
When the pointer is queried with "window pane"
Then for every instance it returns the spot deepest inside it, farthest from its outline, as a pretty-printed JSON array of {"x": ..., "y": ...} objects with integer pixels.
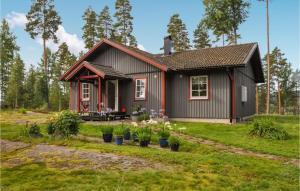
[
  {"x": 202, "y": 87},
  {"x": 195, "y": 93},
  {"x": 203, "y": 93},
  {"x": 194, "y": 87}
]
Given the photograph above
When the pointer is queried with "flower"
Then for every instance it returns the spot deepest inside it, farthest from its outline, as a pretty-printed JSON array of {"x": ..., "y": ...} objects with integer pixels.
[
  {"x": 134, "y": 124},
  {"x": 167, "y": 123},
  {"x": 182, "y": 128},
  {"x": 144, "y": 122}
]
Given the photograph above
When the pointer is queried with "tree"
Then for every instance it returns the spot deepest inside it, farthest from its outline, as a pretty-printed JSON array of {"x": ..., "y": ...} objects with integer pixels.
[
  {"x": 179, "y": 34},
  {"x": 8, "y": 47},
  {"x": 29, "y": 87},
  {"x": 43, "y": 21},
  {"x": 123, "y": 25},
  {"x": 89, "y": 28},
  {"x": 59, "y": 90},
  {"x": 201, "y": 38},
  {"x": 16, "y": 82},
  {"x": 104, "y": 24},
  {"x": 225, "y": 16}
]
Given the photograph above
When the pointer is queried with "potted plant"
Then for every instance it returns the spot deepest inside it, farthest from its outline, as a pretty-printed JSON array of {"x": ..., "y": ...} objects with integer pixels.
[
  {"x": 135, "y": 136},
  {"x": 144, "y": 138},
  {"x": 174, "y": 143},
  {"x": 107, "y": 133},
  {"x": 127, "y": 134},
  {"x": 119, "y": 133},
  {"x": 135, "y": 116},
  {"x": 163, "y": 138}
]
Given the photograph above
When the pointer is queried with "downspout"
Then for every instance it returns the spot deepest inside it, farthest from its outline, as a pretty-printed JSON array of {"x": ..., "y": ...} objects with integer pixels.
[{"x": 230, "y": 74}]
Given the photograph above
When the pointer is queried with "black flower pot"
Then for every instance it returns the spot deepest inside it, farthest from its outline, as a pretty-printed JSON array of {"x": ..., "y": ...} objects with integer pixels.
[
  {"x": 144, "y": 143},
  {"x": 163, "y": 142},
  {"x": 174, "y": 147},
  {"x": 127, "y": 136},
  {"x": 107, "y": 138}
]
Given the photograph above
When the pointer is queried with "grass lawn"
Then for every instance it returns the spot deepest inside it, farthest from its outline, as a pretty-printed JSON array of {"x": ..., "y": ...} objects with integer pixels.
[
  {"x": 237, "y": 135},
  {"x": 195, "y": 167}
]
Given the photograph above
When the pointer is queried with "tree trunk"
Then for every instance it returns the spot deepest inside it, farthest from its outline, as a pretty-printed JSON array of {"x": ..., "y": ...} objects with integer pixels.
[
  {"x": 16, "y": 101},
  {"x": 256, "y": 94},
  {"x": 268, "y": 62},
  {"x": 279, "y": 99},
  {"x": 235, "y": 36},
  {"x": 46, "y": 70},
  {"x": 59, "y": 98}
]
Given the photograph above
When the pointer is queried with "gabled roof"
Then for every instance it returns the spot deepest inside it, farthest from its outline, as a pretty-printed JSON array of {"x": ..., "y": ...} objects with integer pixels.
[
  {"x": 216, "y": 57},
  {"x": 100, "y": 70}
]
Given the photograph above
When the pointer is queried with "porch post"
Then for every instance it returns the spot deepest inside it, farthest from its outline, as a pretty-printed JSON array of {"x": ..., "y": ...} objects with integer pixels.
[
  {"x": 70, "y": 99},
  {"x": 163, "y": 91},
  {"x": 99, "y": 94},
  {"x": 78, "y": 96}
]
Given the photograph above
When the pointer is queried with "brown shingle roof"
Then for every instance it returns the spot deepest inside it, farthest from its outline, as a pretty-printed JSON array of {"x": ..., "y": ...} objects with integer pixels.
[{"x": 109, "y": 71}]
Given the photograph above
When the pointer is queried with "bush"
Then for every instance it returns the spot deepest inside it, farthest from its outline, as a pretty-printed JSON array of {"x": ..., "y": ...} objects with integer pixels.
[
  {"x": 144, "y": 134},
  {"x": 143, "y": 116},
  {"x": 22, "y": 110},
  {"x": 119, "y": 131},
  {"x": 264, "y": 127},
  {"x": 64, "y": 124},
  {"x": 34, "y": 131},
  {"x": 164, "y": 134},
  {"x": 107, "y": 130},
  {"x": 173, "y": 140}
]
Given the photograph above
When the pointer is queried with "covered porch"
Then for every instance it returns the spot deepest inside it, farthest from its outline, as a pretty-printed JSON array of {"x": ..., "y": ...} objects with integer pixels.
[{"x": 95, "y": 90}]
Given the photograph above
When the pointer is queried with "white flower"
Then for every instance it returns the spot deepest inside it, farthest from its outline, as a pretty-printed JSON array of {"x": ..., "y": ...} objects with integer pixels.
[
  {"x": 170, "y": 128},
  {"x": 134, "y": 124},
  {"x": 167, "y": 123},
  {"x": 182, "y": 128},
  {"x": 144, "y": 122}
]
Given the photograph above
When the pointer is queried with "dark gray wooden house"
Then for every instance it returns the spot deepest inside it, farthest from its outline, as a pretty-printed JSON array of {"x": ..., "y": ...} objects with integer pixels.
[{"x": 206, "y": 84}]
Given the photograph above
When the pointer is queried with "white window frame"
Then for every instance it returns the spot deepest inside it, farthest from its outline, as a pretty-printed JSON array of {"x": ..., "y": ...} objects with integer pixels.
[
  {"x": 143, "y": 97},
  {"x": 85, "y": 86},
  {"x": 191, "y": 88}
]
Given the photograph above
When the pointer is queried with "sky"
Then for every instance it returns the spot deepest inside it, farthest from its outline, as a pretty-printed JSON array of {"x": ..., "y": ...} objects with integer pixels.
[{"x": 151, "y": 18}]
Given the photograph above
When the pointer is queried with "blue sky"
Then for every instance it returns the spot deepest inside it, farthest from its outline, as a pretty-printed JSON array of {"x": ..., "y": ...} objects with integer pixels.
[{"x": 150, "y": 24}]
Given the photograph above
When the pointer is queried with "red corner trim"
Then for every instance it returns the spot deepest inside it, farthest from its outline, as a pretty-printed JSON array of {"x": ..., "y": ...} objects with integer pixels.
[
  {"x": 120, "y": 47},
  {"x": 88, "y": 66},
  {"x": 163, "y": 91},
  {"x": 146, "y": 88}
]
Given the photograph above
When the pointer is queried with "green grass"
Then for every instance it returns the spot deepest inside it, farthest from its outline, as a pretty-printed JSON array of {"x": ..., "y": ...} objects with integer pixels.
[
  {"x": 199, "y": 168},
  {"x": 237, "y": 135}
]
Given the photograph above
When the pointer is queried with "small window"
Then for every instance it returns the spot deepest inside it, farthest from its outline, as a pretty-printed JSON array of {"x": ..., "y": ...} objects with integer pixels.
[
  {"x": 85, "y": 92},
  {"x": 199, "y": 87},
  {"x": 140, "y": 89}
]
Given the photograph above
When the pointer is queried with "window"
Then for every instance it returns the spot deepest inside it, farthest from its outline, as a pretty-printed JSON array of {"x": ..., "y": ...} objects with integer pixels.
[
  {"x": 199, "y": 87},
  {"x": 85, "y": 95},
  {"x": 140, "y": 89}
]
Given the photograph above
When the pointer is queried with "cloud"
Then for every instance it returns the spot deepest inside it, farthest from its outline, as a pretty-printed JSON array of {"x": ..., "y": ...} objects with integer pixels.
[
  {"x": 141, "y": 47},
  {"x": 15, "y": 19},
  {"x": 74, "y": 43}
]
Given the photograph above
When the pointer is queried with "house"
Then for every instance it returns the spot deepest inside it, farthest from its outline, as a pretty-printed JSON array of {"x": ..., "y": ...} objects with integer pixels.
[{"x": 212, "y": 84}]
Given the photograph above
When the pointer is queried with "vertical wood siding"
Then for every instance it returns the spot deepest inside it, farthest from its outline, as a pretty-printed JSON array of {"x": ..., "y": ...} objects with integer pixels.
[
  {"x": 245, "y": 77},
  {"x": 180, "y": 106}
]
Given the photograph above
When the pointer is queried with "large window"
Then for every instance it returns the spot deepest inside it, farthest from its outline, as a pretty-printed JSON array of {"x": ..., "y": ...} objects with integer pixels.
[
  {"x": 198, "y": 87},
  {"x": 140, "y": 89},
  {"x": 85, "y": 95}
]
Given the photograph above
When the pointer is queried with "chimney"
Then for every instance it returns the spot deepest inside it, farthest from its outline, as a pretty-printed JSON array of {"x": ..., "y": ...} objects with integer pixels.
[{"x": 168, "y": 45}]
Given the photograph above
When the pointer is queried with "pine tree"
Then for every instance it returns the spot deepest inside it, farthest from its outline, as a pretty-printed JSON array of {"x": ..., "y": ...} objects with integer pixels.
[
  {"x": 225, "y": 16},
  {"x": 29, "y": 88},
  {"x": 201, "y": 38},
  {"x": 179, "y": 34},
  {"x": 43, "y": 21},
  {"x": 89, "y": 28},
  {"x": 16, "y": 83},
  {"x": 123, "y": 25},
  {"x": 104, "y": 24},
  {"x": 8, "y": 48}
]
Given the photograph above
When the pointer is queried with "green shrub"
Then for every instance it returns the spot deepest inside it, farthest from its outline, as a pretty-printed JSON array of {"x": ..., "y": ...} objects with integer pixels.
[
  {"x": 173, "y": 140},
  {"x": 64, "y": 124},
  {"x": 107, "y": 129},
  {"x": 22, "y": 110},
  {"x": 34, "y": 131},
  {"x": 264, "y": 127},
  {"x": 119, "y": 131},
  {"x": 143, "y": 116},
  {"x": 144, "y": 134},
  {"x": 126, "y": 130},
  {"x": 164, "y": 134},
  {"x": 51, "y": 128}
]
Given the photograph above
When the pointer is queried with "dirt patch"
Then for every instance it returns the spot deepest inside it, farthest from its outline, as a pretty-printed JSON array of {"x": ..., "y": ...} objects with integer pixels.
[
  {"x": 66, "y": 158},
  {"x": 8, "y": 146}
]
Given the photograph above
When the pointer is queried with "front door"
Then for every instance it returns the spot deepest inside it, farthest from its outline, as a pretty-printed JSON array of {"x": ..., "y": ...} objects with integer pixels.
[{"x": 112, "y": 94}]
